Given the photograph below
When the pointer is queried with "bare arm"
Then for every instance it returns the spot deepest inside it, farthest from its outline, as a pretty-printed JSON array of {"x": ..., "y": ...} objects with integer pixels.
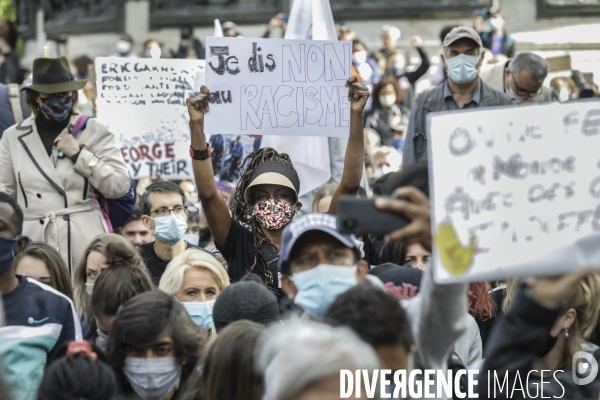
[
  {"x": 213, "y": 205},
  {"x": 355, "y": 152}
]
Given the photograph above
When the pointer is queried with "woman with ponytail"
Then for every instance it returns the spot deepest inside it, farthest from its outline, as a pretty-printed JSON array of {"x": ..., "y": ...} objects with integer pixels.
[
  {"x": 266, "y": 197},
  {"x": 125, "y": 277}
]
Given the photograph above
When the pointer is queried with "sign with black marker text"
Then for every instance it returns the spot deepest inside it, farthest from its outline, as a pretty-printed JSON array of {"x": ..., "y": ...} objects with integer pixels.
[
  {"x": 171, "y": 160},
  {"x": 515, "y": 191},
  {"x": 144, "y": 99},
  {"x": 278, "y": 87}
]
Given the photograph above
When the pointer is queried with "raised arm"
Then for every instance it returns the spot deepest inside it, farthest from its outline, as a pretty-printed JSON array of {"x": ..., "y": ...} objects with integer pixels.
[
  {"x": 213, "y": 205},
  {"x": 355, "y": 152}
]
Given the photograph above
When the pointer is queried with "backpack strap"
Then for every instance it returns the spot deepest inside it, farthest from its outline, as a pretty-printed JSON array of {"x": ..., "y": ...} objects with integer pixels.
[
  {"x": 80, "y": 124},
  {"x": 15, "y": 102}
]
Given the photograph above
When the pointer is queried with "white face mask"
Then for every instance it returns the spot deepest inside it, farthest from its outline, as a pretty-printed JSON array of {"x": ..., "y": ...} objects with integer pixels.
[
  {"x": 496, "y": 23},
  {"x": 101, "y": 339},
  {"x": 388, "y": 100},
  {"x": 123, "y": 47},
  {"x": 89, "y": 288},
  {"x": 360, "y": 56},
  {"x": 152, "y": 378}
]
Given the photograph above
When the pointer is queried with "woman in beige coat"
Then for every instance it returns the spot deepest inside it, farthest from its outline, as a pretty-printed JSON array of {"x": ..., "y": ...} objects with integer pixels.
[{"x": 50, "y": 173}]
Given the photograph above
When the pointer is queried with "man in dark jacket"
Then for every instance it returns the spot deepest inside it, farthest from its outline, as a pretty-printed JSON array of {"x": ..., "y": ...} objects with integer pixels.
[{"x": 462, "y": 56}]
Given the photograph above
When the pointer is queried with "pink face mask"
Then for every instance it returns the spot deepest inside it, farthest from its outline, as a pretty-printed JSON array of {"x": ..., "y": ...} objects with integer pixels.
[{"x": 273, "y": 214}]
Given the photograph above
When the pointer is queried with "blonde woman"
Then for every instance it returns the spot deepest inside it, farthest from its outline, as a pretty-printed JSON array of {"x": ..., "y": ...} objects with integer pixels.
[
  {"x": 91, "y": 265},
  {"x": 196, "y": 278}
]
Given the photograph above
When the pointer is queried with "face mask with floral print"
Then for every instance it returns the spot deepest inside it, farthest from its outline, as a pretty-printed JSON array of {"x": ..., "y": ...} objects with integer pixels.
[{"x": 273, "y": 214}]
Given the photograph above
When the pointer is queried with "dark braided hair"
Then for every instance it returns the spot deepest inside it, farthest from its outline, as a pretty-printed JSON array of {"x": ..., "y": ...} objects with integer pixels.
[{"x": 243, "y": 210}]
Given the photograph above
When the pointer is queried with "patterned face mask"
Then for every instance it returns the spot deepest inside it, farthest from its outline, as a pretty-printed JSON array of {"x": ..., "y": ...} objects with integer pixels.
[
  {"x": 273, "y": 214},
  {"x": 57, "y": 109}
]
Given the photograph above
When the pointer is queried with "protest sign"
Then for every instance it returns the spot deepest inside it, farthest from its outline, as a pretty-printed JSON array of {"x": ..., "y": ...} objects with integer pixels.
[
  {"x": 171, "y": 160},
  {"x": 515, "y": 191},
  {"x": 144, "y": 99},
  {"x": 278, "y": 87}
]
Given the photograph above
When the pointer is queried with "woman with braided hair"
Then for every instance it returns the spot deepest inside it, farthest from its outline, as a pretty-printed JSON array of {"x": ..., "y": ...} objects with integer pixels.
[{"x": 266, "y": 197}]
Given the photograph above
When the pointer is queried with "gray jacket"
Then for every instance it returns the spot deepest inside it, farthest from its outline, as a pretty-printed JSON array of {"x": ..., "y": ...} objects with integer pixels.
[
  {"x": 440, "y": 323},
  {"x": 415, "y": 145}
]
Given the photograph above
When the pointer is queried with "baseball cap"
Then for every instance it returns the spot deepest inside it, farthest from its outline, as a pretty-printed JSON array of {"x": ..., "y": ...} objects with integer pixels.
[
  {"x": 461, "y": 32},
  {"x": 273, "y": 173},
  {"x": 401, "y": 282},
  {"x": 311, "y": 222}
]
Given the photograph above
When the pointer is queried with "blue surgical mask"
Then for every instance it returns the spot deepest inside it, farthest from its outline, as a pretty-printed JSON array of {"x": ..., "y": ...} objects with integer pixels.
[
  {"x": 201, "y": 312},
  {"x": 152, "y": 378},
  {"x": 192, "y": 239},
  {"x": 318, "y": 287},
  {"x": 7, "y": 252},
  {"x": 462, "y": 69},
  {"x": 170, "y": 229}
]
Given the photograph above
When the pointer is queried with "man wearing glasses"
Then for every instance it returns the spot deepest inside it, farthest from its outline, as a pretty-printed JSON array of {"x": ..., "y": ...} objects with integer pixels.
[
  {"x": 521, "y": 78},
  {"x": 164, "y": 213}
]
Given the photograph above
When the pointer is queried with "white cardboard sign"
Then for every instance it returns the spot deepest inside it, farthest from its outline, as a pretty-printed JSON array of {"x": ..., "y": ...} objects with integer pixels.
[
  {"x": 171, "y": 160},
  {"x": 278, "y": 87},
  {"x": 144, "y": 99},
  {"x": 515, "y": 191}
]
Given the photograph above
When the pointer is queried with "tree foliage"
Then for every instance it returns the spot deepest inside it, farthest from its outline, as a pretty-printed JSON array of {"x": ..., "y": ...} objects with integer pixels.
[{"x": 7, "y": 10}]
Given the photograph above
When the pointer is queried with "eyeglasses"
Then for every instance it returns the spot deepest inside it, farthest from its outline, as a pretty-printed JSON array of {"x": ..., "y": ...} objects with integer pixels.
[
  {"x": 522, "y": 92},
  {"x": 164, "y": 211}
]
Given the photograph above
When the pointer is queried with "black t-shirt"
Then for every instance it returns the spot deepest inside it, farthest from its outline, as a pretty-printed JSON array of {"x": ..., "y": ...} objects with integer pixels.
[
  {"x": 156, "y": 265},
  {"x": 239, "y": 254}
]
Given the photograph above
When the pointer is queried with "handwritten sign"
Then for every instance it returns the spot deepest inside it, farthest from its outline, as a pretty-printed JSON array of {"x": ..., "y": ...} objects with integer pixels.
[
  {"x": 278, "y": 87},
  {"x": 515, "y": 191},
  {"x": 143, "y": 99},
  {"x": 171, "y": 160}
]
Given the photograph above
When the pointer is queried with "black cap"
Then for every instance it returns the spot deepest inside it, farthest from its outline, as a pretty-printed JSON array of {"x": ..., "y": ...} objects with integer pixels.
[
  {"x": 245, "y": 300},
  {"x": 402, "y": 282}
]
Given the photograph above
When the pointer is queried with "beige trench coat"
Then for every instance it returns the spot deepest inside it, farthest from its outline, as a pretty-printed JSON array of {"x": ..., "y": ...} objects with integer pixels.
[{"x": 54, "y": 193}]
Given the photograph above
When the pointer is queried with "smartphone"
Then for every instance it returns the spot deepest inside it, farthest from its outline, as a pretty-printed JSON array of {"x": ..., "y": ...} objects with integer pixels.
[{"x": 359, "y": 216}]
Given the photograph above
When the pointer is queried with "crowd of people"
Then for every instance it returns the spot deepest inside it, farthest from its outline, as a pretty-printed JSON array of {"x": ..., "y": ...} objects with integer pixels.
[{"x": 112, "y": 289}]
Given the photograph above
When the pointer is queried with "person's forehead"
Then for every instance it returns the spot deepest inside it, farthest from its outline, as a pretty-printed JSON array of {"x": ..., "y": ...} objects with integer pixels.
[
  {"x": 136, "y": 225},
  {"x": 199, "y": 275},
  {"x": 463, "y": 43},
  {"x": 313, "y": 240},
  {"x": 268, "y": 187},
  {"x": 162, "y": 339},
  {"x": 526, "y": 81},
  {"x": 160, "y": 199}
]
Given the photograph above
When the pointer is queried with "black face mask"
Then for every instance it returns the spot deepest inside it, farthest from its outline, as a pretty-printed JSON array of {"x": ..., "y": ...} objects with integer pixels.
[
  {"x": 205, "y": 237},
  {"x": 549, "y": 343}
]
